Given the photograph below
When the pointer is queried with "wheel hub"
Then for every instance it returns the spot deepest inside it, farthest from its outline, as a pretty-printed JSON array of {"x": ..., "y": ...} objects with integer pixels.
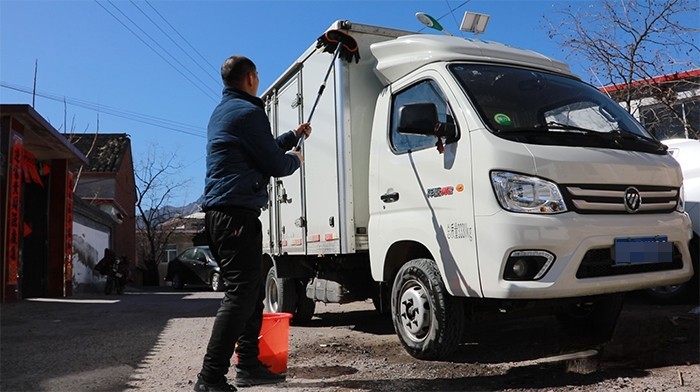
[
  {"x": 272, "y": 296},
  {"x": 415, "y": 312}
]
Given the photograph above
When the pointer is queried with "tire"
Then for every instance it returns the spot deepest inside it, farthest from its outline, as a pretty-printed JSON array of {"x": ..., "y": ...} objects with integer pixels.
[
  {"x": 426, "y": 318},
  {"x": 680, "y": 293},
  {"x": 381, "y": 300},
  {"x": 593, "y": 319},
  {"x": 109, "y": 286},
  {"x": 670, "y": 294},
  {"x": 280, "y": 293},
  {"x": 216, "y": 283},
  {"x": 177, "y": 282},
  {"x": 306, "y": 307}
]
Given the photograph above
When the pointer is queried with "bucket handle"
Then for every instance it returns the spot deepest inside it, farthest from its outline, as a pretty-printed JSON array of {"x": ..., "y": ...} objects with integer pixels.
[{"x": 269, "y": 329}]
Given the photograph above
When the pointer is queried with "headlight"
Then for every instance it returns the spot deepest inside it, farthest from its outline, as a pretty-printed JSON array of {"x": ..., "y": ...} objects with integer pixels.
[
  {"x": 520, "y": 193},
  {"x": 680, "y": 207}
]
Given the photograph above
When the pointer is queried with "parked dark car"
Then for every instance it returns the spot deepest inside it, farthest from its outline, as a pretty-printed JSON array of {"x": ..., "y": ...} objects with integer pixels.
[{"x": 195, "y": 266}]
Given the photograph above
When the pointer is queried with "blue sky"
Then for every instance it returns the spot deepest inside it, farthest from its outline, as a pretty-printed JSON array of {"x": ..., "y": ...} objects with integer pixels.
[{"x": 89, "y": 59}]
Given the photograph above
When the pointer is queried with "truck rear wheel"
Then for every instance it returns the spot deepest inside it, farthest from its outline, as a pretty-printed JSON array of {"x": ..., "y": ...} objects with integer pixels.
[
  {"x": 426, "y": 318},
  {"x": 280, "y": 293}
]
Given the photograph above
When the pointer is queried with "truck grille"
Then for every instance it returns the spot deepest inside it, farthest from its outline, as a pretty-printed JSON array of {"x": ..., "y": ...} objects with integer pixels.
[
  {"x": 613, "y": 199},
  {"x": 599, "y": 262}
]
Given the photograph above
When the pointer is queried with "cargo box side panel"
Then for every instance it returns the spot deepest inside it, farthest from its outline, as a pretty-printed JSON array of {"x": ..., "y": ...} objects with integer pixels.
[
  {"x": 362, "y": 87},
  {"x": 320, "y": 159}
]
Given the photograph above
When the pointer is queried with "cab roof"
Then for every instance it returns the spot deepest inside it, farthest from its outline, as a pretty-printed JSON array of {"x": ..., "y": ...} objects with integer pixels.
[{"x": 398, "y": 57}]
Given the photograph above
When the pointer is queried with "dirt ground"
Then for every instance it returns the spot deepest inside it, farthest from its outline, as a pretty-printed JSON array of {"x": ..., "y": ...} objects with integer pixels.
[{"x": 154, "y": 340}]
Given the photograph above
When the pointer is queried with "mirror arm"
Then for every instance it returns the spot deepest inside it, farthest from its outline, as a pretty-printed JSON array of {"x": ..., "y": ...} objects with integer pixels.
[{"x": 446, "y": 130}]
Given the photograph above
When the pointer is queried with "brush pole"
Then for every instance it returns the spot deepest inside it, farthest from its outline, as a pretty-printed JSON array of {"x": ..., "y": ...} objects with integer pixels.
[{"x": 320, "y": 92}]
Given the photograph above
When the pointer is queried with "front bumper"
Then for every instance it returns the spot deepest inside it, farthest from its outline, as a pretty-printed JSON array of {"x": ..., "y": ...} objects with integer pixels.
[{"x": 573, "y": 238}]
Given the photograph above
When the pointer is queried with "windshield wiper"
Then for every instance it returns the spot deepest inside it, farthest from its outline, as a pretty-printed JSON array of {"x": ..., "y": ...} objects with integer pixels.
[
  {"x": 544, "y": 128},
  {"x": 626, "y": 134},
  {"x": 567, "y": 127}
]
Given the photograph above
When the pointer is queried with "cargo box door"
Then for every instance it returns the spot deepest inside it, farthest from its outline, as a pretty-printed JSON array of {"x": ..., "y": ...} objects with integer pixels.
[{"x": 288, "y": 197}]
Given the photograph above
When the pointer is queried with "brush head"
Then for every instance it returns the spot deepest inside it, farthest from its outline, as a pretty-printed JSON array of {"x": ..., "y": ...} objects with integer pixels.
[{"x": 334, "y": 39}]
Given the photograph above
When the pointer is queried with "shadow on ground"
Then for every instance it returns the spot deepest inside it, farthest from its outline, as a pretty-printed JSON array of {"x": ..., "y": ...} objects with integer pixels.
[
  {"x": 88, "y": 342},
  {"x": 520, "y": 378}
]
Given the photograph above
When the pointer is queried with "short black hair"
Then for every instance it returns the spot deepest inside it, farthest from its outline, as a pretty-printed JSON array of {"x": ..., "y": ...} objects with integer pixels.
[{"x": 235, "y": 69}]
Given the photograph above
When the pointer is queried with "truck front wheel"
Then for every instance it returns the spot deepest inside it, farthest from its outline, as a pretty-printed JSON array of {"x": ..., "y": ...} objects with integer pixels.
[{"x": 426, "y": 318}]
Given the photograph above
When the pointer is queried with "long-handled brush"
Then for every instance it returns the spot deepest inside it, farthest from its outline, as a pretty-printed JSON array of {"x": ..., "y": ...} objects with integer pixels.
[{"x": 342, "y": 46}]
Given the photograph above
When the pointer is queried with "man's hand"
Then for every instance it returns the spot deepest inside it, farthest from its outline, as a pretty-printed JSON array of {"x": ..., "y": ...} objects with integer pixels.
[
  {"x": 299, "y": 155},
  {"x": 304, "y": 128}
]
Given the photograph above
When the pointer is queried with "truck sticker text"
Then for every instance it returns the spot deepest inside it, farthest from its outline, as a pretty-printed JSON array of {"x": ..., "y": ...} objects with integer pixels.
[
  {"x": 440, "y": 191},
  {"x": 456, "y": 230}
]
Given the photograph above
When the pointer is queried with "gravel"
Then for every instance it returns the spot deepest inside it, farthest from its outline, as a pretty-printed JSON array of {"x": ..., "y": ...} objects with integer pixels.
[{"x": 154, "y": 340}]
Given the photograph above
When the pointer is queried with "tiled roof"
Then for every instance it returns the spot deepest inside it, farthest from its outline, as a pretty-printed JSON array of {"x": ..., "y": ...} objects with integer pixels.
[{"x": 106, "y": 153}]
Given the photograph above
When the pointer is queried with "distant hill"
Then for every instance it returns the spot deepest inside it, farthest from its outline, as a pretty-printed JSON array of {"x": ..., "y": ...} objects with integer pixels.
[
  {"x": 191, "y": 208},
  {"x": 168, "y": 212}
]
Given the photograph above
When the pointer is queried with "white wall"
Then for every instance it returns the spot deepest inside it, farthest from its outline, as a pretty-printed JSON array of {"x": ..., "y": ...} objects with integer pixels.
[{"x": 88, "y": 248}]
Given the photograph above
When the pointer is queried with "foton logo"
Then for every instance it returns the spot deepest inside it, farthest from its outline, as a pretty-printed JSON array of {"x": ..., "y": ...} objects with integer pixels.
[
  {"x": 440, "y": 191},
  {"x": 633, "y": 200}
]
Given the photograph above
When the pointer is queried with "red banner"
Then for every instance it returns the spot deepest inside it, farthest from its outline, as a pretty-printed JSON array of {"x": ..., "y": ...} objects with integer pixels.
[
  {"x": 69, "y": 234},
  {"x": 14, "y": 204}
]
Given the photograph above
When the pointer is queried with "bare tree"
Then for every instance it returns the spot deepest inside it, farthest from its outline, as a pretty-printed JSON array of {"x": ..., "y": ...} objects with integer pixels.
[
  {"x": 631, "y": 43},
  {"x": 156, "y": 183}
]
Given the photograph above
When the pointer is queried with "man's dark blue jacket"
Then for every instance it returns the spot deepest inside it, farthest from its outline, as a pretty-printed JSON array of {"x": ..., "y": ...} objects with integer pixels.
[{"x": 242, "y": 155}]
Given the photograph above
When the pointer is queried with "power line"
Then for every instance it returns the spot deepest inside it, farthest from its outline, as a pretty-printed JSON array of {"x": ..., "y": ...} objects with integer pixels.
[
  {"x": 155, "y": 51},
  {"x": 129, "y": 115},
  {"x": 450, "y": 12},
  {"x": 161, "y": 47},
  {"x": 216, "y": 70},
  {"x": 173, "y": 41},
  {"x": 453, "y": 15}
]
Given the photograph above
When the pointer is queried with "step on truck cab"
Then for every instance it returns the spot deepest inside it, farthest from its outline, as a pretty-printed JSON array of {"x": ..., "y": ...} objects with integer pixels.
[{"x": 447, "y": 177}]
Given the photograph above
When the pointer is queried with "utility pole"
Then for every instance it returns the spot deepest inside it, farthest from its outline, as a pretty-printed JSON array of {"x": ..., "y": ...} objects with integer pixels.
[{"x": 36, "y": 65}]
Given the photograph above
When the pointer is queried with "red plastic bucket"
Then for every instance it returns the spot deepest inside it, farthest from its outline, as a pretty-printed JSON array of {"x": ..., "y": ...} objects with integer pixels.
[{"x": 274, "y": 341}]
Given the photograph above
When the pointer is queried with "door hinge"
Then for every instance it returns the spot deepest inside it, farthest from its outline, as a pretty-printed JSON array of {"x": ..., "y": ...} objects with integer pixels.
[{"x": 297, "y": 101}]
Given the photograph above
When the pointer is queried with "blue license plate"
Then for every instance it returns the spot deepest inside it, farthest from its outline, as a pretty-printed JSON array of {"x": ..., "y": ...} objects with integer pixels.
[{"x": 641, "y": 250}]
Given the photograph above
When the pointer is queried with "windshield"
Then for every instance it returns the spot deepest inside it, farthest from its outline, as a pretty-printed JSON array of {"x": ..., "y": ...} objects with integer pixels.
[{"x": 525, "y": 105}]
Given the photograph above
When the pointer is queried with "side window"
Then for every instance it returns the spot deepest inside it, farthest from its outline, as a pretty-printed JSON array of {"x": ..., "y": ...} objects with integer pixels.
[
  {"x": 200, "y": 256},
  {"x": 425, "y": 91},
  {"x": 188, "y": 254}
]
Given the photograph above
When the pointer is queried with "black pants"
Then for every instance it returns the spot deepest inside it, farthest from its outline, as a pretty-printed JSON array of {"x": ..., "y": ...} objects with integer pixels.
[{"x": 235, "y": 240}]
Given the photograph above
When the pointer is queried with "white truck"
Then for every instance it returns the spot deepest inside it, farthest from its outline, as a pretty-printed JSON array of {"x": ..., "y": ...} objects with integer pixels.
[{"x": 450, "y": 177}]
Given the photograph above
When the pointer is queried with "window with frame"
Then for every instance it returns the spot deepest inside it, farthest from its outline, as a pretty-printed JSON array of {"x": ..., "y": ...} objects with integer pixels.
[
  {"x": 170, "y": 252},
  {"x": 426, "y": 91},
  {"x": 682, "y": 121}
]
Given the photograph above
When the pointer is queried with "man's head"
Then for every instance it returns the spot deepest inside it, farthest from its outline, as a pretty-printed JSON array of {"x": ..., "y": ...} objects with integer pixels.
[{"x": 240, "y": 72}]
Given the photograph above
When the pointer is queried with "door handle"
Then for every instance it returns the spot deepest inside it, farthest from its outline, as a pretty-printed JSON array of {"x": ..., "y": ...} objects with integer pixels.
[{"x": 390, "y": 197}]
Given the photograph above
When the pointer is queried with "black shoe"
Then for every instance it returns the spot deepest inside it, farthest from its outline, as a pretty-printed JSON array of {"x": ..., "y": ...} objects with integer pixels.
[
  {"x": 221, "y": 386},
  {"x": 259, "y": 374}
]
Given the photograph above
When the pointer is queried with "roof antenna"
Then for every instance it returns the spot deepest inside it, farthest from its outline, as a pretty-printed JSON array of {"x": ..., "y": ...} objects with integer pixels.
[{"x": 431, "y": 22}]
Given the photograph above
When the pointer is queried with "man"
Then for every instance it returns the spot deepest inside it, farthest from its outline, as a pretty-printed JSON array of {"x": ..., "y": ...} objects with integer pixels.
[{"x": 241, "y": 157}]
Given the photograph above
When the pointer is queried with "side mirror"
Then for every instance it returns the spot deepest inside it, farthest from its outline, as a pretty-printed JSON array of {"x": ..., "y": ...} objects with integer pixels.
[
  {"x": 418, "y": 119},
  {"x": 422, "y": 119}
]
